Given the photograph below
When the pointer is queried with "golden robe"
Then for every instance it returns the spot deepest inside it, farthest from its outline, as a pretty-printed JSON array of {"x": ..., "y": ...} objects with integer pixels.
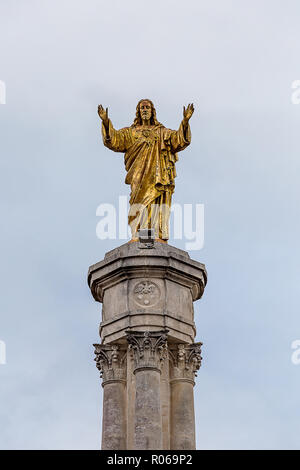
[{"x": 150, "y": 156}]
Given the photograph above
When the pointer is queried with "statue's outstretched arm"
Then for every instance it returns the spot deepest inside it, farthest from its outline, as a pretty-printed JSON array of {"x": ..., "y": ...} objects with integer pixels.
[
  {"x": 187, "y": 114},
  {"x": 103, "y": 114},
  {"x": 116, "y": 140},
  {"x": 182, "y": 138}
]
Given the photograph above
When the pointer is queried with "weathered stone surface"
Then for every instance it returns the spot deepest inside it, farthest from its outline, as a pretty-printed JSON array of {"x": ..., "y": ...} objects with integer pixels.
[
  {"x": 114, "y": 416},
  {"x": 165, "y": 399},
  {"x": 148, "y": 351},
  {"x": 144, "y": 288},
  {"x": 148, "y": 348},
  {"x": 185, "y": 361},
  {"x": 182, "y": 416},
  {"x": 147, "y": 358},
  {"x": 148, "y": 418},
  {"x": 111, "y": 361}
]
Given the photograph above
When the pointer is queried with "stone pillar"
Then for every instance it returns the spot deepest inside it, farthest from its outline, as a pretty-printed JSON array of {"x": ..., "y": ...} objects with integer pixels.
[
  {"x": 185, "y": 360},
  {"x": 147, "y": 291},
  {"x": 148, "y": 351},
  {"x": 111, "y": 361},
  {"x": 165, "y": 401}
]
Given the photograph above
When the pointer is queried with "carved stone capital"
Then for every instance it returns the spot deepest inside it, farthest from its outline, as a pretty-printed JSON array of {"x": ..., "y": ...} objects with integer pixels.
[
  {"x": 111, "y": 362},
  {"x": 185, "y": 361},
  {"x": 147, "y": 348}
]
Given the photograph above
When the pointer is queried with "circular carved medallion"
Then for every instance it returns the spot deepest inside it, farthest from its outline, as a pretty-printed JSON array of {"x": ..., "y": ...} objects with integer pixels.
[{"x": 146, "y": 293}]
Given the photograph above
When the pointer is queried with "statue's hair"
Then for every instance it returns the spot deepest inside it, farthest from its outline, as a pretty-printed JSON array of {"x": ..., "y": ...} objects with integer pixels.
[{"x": 138, "y": 120}]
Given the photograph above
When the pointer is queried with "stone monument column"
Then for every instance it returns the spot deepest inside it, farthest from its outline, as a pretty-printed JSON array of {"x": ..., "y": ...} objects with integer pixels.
[
  {"x": 111, "y": 361},
  {"x": 185, "y": 360},
  {"x": 148, "y": 350},
  {"x": 147, "y": 354}
]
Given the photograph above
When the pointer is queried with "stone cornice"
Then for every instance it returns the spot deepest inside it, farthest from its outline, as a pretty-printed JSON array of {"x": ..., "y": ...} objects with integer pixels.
[{"x": 164, "y": 261}]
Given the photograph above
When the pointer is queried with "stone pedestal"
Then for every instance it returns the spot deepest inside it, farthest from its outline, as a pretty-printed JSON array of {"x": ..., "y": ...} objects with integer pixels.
[{"x": 147, "y": 356}]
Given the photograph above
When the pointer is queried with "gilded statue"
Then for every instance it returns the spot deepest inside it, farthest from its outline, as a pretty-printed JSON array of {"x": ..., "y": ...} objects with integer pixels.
[{"x": 150, "y": 155}]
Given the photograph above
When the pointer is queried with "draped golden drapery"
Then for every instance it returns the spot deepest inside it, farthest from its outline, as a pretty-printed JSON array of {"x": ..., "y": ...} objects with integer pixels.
[{"x": 150, "y": 157}]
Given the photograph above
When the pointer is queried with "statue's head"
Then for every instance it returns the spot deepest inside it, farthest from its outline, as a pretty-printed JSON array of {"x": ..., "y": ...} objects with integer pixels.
[{"x": 145, "y": 110}]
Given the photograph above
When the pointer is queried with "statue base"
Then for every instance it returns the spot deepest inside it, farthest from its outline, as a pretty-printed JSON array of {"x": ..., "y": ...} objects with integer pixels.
[{"x": 147, "y": 356}]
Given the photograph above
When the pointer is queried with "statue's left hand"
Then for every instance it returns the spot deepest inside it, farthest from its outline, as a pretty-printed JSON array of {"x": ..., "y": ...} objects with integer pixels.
[
  {"x": 188, "y": 112},
  {"x": 103, "y": 114}
]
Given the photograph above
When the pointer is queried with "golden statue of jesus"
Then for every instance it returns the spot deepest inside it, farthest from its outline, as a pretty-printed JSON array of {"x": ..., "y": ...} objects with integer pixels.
[{"x": 150, "y": 156}]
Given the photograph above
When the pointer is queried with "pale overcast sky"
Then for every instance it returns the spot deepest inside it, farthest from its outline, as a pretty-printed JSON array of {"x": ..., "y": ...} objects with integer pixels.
[{"x": 236, "y": 60}]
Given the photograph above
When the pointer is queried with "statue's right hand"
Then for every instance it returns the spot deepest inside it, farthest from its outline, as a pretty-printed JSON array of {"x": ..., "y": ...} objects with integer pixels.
[{"x": 103, "y": 114}]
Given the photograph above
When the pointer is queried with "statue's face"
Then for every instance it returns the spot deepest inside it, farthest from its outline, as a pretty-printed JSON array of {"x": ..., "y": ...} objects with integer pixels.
[{"x": 145, "y": 110}]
